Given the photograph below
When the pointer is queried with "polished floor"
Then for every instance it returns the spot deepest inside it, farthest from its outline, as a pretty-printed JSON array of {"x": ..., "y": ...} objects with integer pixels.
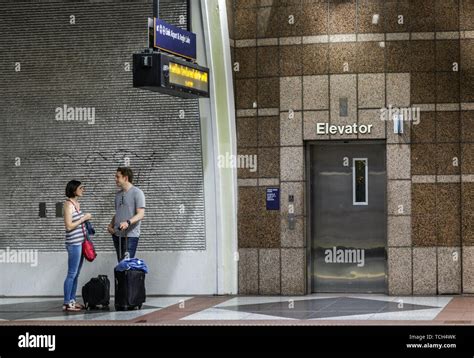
[
  {"x": 375, "y": 307},
  {"x": 311, "y": 309},
  {"x": 50, "y": 309}
]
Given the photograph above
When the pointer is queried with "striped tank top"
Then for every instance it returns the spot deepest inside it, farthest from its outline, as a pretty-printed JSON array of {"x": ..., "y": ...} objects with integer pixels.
[{"x": 75, "y": 236}]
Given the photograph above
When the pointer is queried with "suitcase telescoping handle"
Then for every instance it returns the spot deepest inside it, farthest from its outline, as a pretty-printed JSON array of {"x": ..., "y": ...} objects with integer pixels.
[{"x": 126, "y": 254}]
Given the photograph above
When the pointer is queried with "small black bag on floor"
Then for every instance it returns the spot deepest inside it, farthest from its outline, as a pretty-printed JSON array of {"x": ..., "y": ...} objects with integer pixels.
[
  {"x": 130, "y": 290},
  {"x": 96, "y": 292}
]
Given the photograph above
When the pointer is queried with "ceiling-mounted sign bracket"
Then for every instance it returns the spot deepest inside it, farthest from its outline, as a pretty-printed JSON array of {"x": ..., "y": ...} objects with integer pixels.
[
  {"x": 169, "y": 64},
  {"x": 163, "y": 43}
]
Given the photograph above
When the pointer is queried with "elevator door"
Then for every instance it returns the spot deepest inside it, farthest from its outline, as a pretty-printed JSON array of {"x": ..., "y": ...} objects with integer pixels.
[{"x": 348, "y": 217}]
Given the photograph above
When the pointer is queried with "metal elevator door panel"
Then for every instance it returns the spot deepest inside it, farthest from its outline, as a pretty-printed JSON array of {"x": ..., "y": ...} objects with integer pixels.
[{"x": 348, "y": 217}]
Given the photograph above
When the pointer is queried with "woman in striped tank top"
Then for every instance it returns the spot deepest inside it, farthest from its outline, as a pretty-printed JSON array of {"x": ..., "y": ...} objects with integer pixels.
[{"x": 75, "y": 234}]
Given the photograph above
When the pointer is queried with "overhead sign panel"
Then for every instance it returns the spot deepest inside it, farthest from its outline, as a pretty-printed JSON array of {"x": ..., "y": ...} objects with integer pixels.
[
  {"x": 174, "y": 40},
  {"x": 168, "y": 74}
]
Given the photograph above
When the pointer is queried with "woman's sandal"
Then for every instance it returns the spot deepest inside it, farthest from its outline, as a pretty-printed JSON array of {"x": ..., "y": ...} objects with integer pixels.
[
  {"x": 71, "y": 308},
  {"x": 80, "y": 306}
]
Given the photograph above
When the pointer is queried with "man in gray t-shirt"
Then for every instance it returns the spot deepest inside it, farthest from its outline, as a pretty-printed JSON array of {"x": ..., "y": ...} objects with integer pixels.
[{"x": 129, "y": 212}]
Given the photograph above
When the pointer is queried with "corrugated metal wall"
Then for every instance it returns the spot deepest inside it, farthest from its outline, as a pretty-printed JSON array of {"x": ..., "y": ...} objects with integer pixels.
[{"x": 84, "y": 65}]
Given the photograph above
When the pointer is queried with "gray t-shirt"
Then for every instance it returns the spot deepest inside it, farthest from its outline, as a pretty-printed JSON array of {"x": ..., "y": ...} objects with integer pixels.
[{"x": 126, "y": 205}]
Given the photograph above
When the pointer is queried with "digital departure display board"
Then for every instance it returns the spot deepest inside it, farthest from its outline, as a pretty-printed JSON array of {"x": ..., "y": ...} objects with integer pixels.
[
  {"x": 161, "y": 72},
  {"x": 188, "y": 77}
]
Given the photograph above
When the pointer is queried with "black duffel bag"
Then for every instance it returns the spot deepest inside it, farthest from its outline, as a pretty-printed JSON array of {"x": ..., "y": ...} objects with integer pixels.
[{"x": 96, "y": 293}]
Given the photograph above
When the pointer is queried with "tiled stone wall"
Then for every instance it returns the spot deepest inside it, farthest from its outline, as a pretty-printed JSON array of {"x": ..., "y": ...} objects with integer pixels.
[{"x": 293, "y": 61}]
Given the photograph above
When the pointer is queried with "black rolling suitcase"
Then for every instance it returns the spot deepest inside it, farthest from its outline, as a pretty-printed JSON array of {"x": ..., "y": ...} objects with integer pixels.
[
  {"x": 130, "y": 290},
  {"x": 96, "y": 293}
]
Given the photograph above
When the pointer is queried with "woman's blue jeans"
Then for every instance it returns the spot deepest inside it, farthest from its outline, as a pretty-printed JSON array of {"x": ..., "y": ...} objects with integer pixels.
[{"x": 74, "y": 264}]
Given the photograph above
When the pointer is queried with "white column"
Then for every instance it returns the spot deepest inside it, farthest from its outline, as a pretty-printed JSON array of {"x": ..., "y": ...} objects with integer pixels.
[{"x": 218, "y": 138}]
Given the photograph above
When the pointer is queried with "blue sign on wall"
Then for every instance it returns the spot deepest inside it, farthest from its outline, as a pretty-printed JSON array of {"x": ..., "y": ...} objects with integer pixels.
[
  {"x": 172, "y": 39},
  {"x": 273, "y": 199}
]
